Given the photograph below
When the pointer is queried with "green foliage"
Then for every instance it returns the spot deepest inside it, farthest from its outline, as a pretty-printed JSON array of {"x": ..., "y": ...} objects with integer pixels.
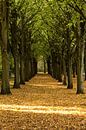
[{"x": 48, "y": 22}]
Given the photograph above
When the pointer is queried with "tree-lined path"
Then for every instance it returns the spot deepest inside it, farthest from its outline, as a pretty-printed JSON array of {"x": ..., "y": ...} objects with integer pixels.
[
  {"x": 43, "y": 104},
  {"x": 46, "y": 36}
]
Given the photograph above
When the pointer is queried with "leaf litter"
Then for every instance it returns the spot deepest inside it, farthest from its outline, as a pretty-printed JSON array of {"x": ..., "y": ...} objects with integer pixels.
[{"x": 43, "y": 104}]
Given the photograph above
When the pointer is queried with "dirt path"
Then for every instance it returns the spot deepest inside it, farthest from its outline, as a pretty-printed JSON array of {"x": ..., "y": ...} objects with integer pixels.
[{"x": 43, "y": 104}]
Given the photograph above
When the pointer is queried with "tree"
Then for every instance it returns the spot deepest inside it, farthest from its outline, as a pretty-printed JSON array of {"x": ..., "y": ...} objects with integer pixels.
[
  {"x": 15, "y": 44},
  {"x": 5, "y": 87}
]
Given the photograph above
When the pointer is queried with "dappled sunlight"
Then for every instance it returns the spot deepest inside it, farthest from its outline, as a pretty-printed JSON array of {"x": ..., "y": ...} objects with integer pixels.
[
  {"x": 43, "y": 102},
  {"x": 45, "y": 109},
  {"x": 45, "y": 85},
  {"x": 43, "y": 90}
]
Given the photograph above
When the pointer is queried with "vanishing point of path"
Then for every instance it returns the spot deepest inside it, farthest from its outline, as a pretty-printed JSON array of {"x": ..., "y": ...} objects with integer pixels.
[{"x": 43, "y": 104}]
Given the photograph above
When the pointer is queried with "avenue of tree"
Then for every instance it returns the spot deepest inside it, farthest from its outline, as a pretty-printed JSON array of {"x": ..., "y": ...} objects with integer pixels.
[{"x": 54, "y": 29}]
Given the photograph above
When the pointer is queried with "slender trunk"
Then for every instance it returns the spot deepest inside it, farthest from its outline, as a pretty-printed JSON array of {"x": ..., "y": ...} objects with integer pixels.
[
  {"x": 80, "y": 59},
  {"x": 49, "y": 66},
  {"x": 31, "y": 64},
  {"x": 80, "y": 56},
  {"x": 26, "y": 62},
  {"x": 44, "y": 66},
  {"x": 55, "y": 69},
  {"x": 69, "y": 54},
  {"x": 26, "y": 70},
  {"x": 14, "y": 49},
  {"x": 16, "y": 72},
  {"x": 30, "y": 69},
  {"x": 60, "y": 71},
  {"x": 22, "y": 67},
  {"x": 85, "y": 60},
  {"x": 22, "y": 54},
  {"x": 54, "y": 66},
  {"x": 70, "y": 82},
  {"x": 22, "y": 75},
  {"x": 64, "y": 73},
  {"x": 5, "y": 87},
  {"x": 74, "y": 70},
  {"x": 34, "y": 66}
]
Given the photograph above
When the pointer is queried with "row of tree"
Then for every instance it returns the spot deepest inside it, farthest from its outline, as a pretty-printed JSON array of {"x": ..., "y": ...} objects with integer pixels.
[
  {"x": 68, "y": 52},
  {"x": 15, "y": 39},
  {"x": 63, "y": 32},
  {"x": 50, "y": 28}
]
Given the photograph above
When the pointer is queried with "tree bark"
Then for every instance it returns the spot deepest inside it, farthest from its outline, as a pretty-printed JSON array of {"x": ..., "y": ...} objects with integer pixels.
[
  {"x": 74, "y": 70},
  {"x": 80, "y": 56},
  {"x": 49, "y": 66},
  {"x": 54, "y": 67},
  {"x": 5, "y": 87},
  {"x": 69, "y": 54},
  {"x": 14, "y": 49},
  {"x": 70, "y": 83},
  {"x": 22, "y": 54},
  {"x": 85, "y": 60},
  {"x": 60, "y": 70},
  {"x": 80, "y": 63},
  {"x": 22, "y": 67},
  {"x": 16, "y": 72},
  {"x": 64, "y": 73},
  {"x": 44, "y": 66}
]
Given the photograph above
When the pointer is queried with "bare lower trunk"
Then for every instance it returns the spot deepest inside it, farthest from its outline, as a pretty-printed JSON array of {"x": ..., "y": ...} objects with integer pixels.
[
  {"x": 35, "y": 67},
  {"x": 22, "y": 74},
  {"x": 26, "y": 70},
  {"x": 49, "y": 66},
  {"x": 80, "y": 63},
  {"x": 44, "y": 66},
  {"x": 54, "y": 67},
  {"x": 80, "y": 56},
  {"x": 85, "y": 61},
  {"x": 60, "y": 71},
  {"x": 74, "y": 70},
  {"x": 64, "y": 73},
  {"x": 16, "y": 72},
  {"x": 5, "y": 87},
  {"x": 70, "y": 82}
]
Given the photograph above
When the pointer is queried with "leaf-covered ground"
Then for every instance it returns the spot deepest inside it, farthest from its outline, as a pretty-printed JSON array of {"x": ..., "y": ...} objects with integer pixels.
[{"x": 43, "y": 104}]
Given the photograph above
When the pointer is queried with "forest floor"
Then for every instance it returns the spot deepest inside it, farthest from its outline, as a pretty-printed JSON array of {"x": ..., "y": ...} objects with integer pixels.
[{"x": 43, "y": 104}]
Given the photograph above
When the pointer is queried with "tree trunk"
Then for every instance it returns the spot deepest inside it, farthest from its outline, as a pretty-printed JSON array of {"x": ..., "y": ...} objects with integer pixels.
[
  {"x": 22, "y": 54},
  {"x": 22, "y": 69},
  {"x": 80, "y": 63},
  {"x": 49, "y": 66},
  {"x": 34, "y": 66},
  {"x": 54, "y": 67},
  {"x": 60, "y": 70},
  {"x": 31, "y": 64},
  {"x": 70, "y": 83},
  {"x": 64, "y": 73},
  {"x": 26, "y": 61},
  {"x": 15, "y": 49},
  {"x": 69, "y": 54},
  {"x": 85, "y": 61},
  {"x": 74, "y": 70},
  {"x": 5, "y": 87},
  {"x": 44, "y": 66},
  {"x": 16, "y": 72},
  {"x": 80, "y": 56},
  {"x": 26, "y": 69}
]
